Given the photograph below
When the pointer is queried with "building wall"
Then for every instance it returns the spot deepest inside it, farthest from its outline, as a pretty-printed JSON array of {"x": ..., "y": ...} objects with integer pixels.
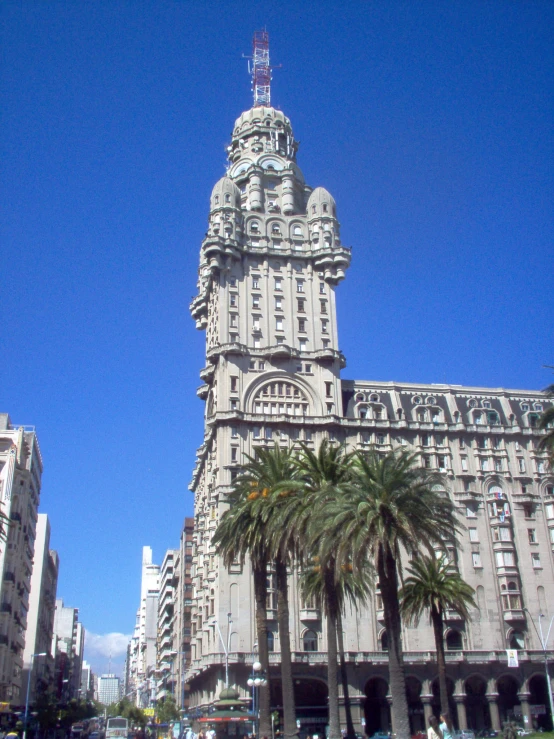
[
  {"x": 20, "y": 483},
  {"x": 42, "y": 605},
  {"x": 269, "y": 268}
]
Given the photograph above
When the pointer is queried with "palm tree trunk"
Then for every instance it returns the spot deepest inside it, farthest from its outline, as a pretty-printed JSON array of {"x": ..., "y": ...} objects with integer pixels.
[
  {"x": 436, "y": 618},
  {"x": 386, "y": 567},
  {"x": 260, "y": 595},
  {"x": 289, "y": 708},
  {"x": 350, "y": 731},
  {"x": 332, "y": 661}
]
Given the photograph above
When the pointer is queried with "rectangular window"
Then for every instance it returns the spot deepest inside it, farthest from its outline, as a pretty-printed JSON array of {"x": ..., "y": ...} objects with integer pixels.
[
  {"x": 532, "y": 534},
  {"x": 485, "y": 465},
  {"x": 325, "y": 343},
  {"x": 427, "y": 461},
  {"x": 442, "y": 462},
  {"x": 234, "y": 404},
  {"x": 483, "y": 442},
  {"x": 301, "y": 305},
  {"x": 255, "y": 301},
  {"x": 234, "y": 452},
  {"x": 549, "y": 510},
  {"x": 299, "y": 286},
  {"x": 278, "y": 303},
  {"x": 279, "y": 324},
  {"x": 261, "y": 365},
  {"x": 233, "y": 281},
  {"x": 476, "y": 558},
  {"x": 308, "y": 368},
  {"x": 521, "y": 464},
  {"x": 256, "y": 343},
  {"x": 308, "y": 435},
  {"x": 463, "y": 460},
  {"x": 536, "y": 559},
  {"x": 322, "y": 288},
  {"x": 256, "y": 323},
  {"x": 234, "y": 432},
  {"x": 498, "y": 465},
  {"x": 540, "y": 465},
  {"x": 328, "y": 389},
  {"x": 323, "y": 306},
  {"x": 278, "y": 283},
  {"x": 233, "y": 300},
  {"x": 303, "y": 343},
  {"x": 462, "y": 444},
  {"x": 233, "y": 320},
  {"x": 268, "y": 433},
  {"x": 256, "y": 432},
  {"x": 504, "y": 559},
  {"x": 470, "y": 511},
  {"x": 324, "y": 325},
  {"x": 497, "y": 442},
  {"x": 280, "y": 339},
  {"x": 252, "y": 364},
  {"x": 551, "y": 536},
  {"x": 256, "y": 283},
  {"x": 473, "y": 535},
  {"x": 234, "y": 384}
]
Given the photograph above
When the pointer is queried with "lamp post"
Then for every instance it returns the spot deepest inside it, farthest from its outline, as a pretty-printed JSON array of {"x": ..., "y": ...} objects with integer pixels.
[
  {"x": 543, "y": 643},
  {"x": 38, "y": 654},
  {"x": 257, "y": 680},
  {"x": 225, "y": 647}
]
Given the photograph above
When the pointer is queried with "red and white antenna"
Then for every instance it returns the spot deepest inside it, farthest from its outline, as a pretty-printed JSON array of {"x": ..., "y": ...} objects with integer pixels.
[{"x": 261, "y": 71}]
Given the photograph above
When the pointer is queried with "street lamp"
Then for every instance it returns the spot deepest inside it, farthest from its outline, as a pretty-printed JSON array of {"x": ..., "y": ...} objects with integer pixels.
[
  {"x": 257, "y": 680},
  {"x": 543, "y": 643},
  {"x": 175, "y": 653},
  {"x": 225, "y": 647},
  {"x": 38, "y": 654}
]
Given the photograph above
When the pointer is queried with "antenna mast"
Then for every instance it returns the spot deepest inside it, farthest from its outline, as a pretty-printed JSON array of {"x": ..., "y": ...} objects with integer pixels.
[{"x": 261, "y": 71}]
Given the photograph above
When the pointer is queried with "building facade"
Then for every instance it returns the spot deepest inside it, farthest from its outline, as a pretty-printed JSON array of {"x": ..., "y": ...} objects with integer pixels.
[
  {"x": 109, "y": 690},
  {"x": 42, "y": 607},
  {"x": 141, "y": 655},
  {"x": 270, "y": 265},
  {"x": 67, "y": 647},
  {"x": 20, "y": 483}
]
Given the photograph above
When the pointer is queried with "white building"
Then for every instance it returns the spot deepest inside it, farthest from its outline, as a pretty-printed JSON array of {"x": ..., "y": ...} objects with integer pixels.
[
  {"x": 42, "y": 606},
  {"x": 68, "y": 645},
  {"x": 270, "y": 266},
  {"x": 20, "y": 482},
  {"x": 108, "y": 689}
]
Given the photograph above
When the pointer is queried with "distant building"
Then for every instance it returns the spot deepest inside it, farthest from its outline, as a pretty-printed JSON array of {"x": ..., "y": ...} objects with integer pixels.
[
  {"x": 141, "y": 657},
  {"x": 182, "y": 588},
  {"x": 108, "y": 689},
  {"x": 87, "y": 692},
  {"x": 20, "y": 482},
  {"x": 42, "y": 606},
  {"x": 68, "y": 644},
  {"x": 166, "y": 652}
]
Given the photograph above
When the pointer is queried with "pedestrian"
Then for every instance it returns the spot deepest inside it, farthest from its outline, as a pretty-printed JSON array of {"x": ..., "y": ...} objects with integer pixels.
[
  {"x": 434, "y": 732},
  {"x": 446, "y": 726}
]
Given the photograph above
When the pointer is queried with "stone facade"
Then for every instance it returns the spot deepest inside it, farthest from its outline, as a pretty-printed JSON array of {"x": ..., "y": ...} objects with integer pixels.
[
  {"x": 269, "y": 268},
  {"x": 20, "y": 483}
]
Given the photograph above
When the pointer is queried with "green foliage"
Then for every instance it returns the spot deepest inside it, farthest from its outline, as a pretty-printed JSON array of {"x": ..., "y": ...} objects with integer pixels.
[
  {"x": 127, "y": 710},
  {"x": 166, "y": 710}
]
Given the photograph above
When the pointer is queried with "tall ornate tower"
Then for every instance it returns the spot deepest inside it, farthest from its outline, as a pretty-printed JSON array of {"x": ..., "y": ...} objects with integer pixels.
[{"x": 269, "y": 265}]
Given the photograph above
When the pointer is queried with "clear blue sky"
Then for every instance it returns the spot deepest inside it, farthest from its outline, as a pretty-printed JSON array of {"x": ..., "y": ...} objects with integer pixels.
[{"x": 432, "y": 125}]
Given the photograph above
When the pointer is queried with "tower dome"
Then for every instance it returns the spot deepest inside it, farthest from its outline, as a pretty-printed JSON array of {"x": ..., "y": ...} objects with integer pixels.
[
  {"x": 261, "y": 118},
  {"x": 225, "y": 192},
  {"x": 321, "y": 203}
]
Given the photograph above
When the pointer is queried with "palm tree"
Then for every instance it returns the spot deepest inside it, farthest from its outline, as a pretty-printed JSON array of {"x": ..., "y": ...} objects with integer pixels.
[
  {"x": 274, "y": 471},
  {"x": 324, "y": 475},
  {"x": 435, "y": 585},
  {"x": 330, "y": 586},
  {"x": 242, "y": 532},
  {"x": 547, "y": 422},
  {"x": 394, "y": 503}
]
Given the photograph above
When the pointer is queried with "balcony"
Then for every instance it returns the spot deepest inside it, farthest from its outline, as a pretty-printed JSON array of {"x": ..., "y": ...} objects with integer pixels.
[
  {"x": 514, "y": 614},
  {"x": 310, "y": 614}
]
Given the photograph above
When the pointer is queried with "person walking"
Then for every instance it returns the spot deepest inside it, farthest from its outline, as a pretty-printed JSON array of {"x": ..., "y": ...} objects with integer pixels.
[
  {"x": 446, "y": 726},
  {"x": 434, "y": 732}
]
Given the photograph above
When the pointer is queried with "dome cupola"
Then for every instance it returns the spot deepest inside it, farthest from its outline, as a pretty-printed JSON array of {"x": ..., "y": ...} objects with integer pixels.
[
  {"x": 225, "y": 193},
  {"x": 321, "y": 204}
]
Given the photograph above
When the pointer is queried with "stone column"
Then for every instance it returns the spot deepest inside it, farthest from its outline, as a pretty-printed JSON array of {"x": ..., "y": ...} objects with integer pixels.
[
  {"x": 427, "y": 699},
  {"x": 525, "y": 709},
  {"x": 460, "y": 701},
  {"x": 492, "y": 699}
]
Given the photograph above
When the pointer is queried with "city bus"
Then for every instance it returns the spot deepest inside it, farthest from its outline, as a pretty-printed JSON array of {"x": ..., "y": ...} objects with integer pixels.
[{"x": 117, "y": 728}]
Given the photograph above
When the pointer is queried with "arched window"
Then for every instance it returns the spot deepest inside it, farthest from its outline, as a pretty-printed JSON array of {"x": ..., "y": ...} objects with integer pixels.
[
  {"x": 384, "y": 641},
  {"x": 281, "y": 398},
  {"x": 227, "y": 198},
  {"x": 454, "y": 642},
  {"x": 270, "y": 641},
  {"x": 517, "y": 640},
  {"x": 309, "y": 641},
  {"x": 297, "y": 231}
]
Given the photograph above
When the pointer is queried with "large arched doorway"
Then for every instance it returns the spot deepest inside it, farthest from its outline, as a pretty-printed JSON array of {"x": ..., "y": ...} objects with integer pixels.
[
  {"x": 508, "y": 698},
  {"x": 436, "y": 703},
  {"x": 415, "y": 705},
  {"x": 376, "y": 706},
  {"x": 311, "y": 698},
  {"x": 477, "y": 707},
  {"x": 538, "y": 699}
]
